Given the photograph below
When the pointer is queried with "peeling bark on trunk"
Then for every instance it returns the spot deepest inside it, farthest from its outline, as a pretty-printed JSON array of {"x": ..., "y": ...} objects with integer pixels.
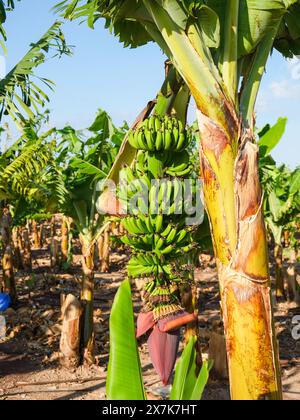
[
  {"x": 234, "y": 203},
  {"x": 87, "y": 298},
  {"x": 70, "y": 337}
]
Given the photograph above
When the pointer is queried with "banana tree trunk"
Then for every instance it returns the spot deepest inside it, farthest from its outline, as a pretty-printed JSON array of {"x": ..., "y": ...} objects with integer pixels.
[
  {"x": 27, "y": 260},
  {"x": 53, "y": 227},
  {"x": 100, "y": 244},
  {"x": 106, "y": 251},
  {"x": 35, "y": 234},
  {"x": 8, "y": 282},
  {"x": 18, "y": 263},
  {"x": 87, "y": 298},
  {"x": 233, "y": 199},
  {"x": 64, "y": 241},
  {"x": 70, "y": 337},
  {"x": 278, "y": 254},
  {"x": 293, "y": 292},
  {"x": 42, "y": 235}
]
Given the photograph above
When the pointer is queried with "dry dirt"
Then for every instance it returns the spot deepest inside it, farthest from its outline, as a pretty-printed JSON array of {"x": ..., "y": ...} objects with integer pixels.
[{"x": 29, "y": 367}]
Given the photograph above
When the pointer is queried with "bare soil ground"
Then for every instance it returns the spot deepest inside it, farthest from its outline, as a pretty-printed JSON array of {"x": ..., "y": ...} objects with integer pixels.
[{"x": 29, "y": 367}]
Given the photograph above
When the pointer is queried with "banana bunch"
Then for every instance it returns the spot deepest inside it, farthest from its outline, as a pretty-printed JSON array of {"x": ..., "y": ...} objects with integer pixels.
[
  {"x": 158, "y": 237},
  {"x": 159, "y": 134}
]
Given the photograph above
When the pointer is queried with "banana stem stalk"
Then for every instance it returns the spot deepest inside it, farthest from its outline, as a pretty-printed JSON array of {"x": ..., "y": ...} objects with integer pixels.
[
  {"x": 106, "y": 251},
  {"x": 87, "y": 298},
  {"x": 279, "y": 278}
]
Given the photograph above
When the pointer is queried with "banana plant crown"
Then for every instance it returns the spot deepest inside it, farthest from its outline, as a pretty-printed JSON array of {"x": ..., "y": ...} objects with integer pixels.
[{"x": 220, "y": 47}]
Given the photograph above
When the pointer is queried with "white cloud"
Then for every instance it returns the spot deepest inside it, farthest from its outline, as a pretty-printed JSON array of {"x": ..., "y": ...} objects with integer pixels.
[
  {"x": 285, "y": 89},
  {"x": 294, "y": 67}
]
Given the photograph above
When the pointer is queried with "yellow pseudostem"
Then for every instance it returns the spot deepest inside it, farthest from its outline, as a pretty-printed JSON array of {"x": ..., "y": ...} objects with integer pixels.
[{"x": 233, "y": 200}]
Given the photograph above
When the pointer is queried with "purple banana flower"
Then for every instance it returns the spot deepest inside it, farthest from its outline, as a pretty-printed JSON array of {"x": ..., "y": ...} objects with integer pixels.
[{"x": 163, "y": 340}]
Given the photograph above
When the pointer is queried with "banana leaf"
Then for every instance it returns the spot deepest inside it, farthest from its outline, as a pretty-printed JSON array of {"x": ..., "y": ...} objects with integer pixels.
[
  {"x": 187, "y": 385},
  {"x": 124, "y": 379},
  {"x": 269, "y": 140}
]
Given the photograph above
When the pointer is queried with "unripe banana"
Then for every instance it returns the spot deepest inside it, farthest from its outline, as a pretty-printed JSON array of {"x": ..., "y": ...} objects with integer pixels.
[
  {"x": 159, "y": 142},
  {"x": 132, "y": 138},
  {"x": 158, "y": 238}
]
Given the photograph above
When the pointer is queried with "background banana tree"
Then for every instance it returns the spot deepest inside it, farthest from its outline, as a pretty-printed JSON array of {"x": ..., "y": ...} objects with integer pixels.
[
  {"x": 83, "y": 158},
  {"x": 281, "y": 205},
  {"x": 221, "y": 49},
  {"x": 21, "y": 168},
  {"x": 21, "y": 93}
]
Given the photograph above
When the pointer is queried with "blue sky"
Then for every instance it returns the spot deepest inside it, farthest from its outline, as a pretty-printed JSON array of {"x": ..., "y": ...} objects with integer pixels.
[{"x": 102, "y": 74}]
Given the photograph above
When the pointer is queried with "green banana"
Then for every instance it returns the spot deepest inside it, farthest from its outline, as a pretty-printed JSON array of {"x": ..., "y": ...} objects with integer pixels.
[
  {"x": 157, "y": 235},
  {"x": 159, "y": 221}
]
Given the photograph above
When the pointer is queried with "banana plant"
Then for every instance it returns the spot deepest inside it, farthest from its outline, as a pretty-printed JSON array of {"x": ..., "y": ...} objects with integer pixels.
[
  {"x": 21, "y": 93},
  {"x": 221, "y": 49},
  {"x": 83, "y": 159},
  {"x": 282, "y": 194},
  {"x": 124, "y": 361},
  {"x": 20, "y": 167}
]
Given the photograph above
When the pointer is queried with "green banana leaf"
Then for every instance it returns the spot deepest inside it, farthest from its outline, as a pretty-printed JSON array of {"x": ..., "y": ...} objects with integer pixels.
[
  {"x": 272, "y": 137},
  {"x": 295, "y": 182},
  {"x": 124, "y": 379},
  {"x": 187, "y": 385}
]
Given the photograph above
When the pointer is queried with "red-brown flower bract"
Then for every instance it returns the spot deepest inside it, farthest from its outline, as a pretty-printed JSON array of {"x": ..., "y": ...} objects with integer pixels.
[{"x": 163, "y": 340}]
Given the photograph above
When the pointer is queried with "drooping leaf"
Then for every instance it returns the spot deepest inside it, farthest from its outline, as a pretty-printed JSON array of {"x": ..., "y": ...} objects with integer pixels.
[
  {"x": 124, "y": 379},
  {"x": 210, "y": 25},
  {"x": 19, "y": 95}
]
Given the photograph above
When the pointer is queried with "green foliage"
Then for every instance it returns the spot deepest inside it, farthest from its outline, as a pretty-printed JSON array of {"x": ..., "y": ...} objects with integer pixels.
[
  {"x": 188, "y": 385},
  {"x": 21, "y": 164},
  {"x": 271, "y": 136},
  {"x": 20, "y": 94},
  {"x": 281, "y": 187},
  {"x": 83, "y": 158},
  {"x": 226, "y": 43},
  {"x": 124, "y": 378},
  {"x": 256, "y": 19}
]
